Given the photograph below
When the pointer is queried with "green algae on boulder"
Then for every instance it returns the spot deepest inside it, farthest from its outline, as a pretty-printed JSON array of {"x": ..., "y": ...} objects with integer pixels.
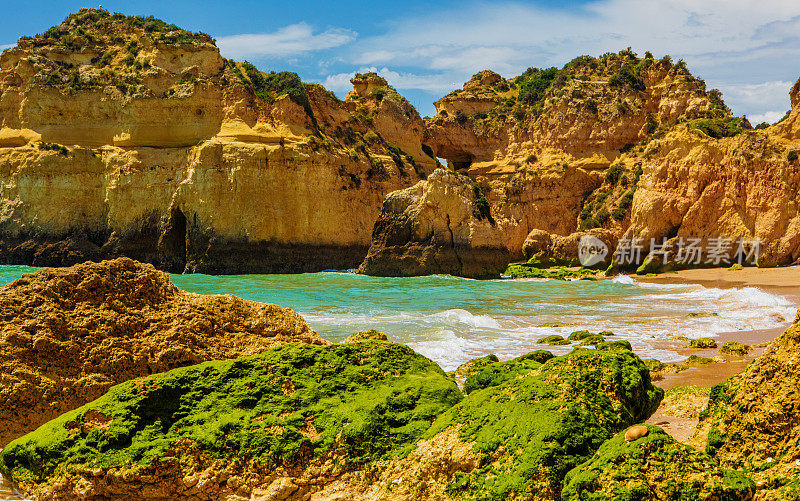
[
  {"x": 283, "y": 413},
  {"x": 619, "y": 344},
  {"x": 531, "y": 422},
  {"x": 703, "y": 343},
  {"x": 751, "y": 421},
  {"x": 735, "y": 348},
  {"x": 553, "y": 340},
  {"x": 655, "y": 466},
  {"x": 473, "y": 366}
]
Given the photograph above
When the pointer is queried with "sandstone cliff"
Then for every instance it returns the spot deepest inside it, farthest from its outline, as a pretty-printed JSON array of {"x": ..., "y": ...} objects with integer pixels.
[
  {"x": 442, "y": 225},
  {"x": 128, "y": 136},
  {"x": 633, "y": 147},
  {"x": 69, "y": 334}
]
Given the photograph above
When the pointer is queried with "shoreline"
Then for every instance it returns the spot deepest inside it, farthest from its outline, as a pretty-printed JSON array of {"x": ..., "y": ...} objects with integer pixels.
[
  {"x": 680, "y": 421},
  {"x": 781, "y": 281}
]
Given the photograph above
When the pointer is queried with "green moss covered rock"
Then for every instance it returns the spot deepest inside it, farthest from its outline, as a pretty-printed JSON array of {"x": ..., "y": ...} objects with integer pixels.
[
  {"x": 734, "y": 348},
  {"x": 703, "y": 343},
  {"x": 620, "y": 344},
  {"x": 531, "y": 422},
  {"x": 553, "y": 340},
  {"x": 473, "y": 366},
  {"x": 277, "y": 413},
  {"x": 655, "y": 466}
]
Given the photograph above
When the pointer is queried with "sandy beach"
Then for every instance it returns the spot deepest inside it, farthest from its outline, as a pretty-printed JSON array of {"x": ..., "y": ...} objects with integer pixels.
[
  {"x": 680, "y": 421},
  {"x": 784, "y": 281}
]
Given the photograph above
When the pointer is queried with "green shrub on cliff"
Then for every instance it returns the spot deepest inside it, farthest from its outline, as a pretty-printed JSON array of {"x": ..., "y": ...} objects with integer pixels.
[
  {"x": 272, "y": 85},
  {"x": 655, "y": 466},
  {"x": 291, "y": 406},
  {"x": 627, "y": 76},
  {"x": 534, "y": 83},
  {"x": 532, "y": 422},
  {"x": 717, "y": 128}
]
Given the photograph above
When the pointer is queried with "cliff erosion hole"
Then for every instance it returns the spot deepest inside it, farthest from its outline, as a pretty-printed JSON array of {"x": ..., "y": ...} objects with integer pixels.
[
  {"x": 173, "y": 241},
  {"x": 460, "y": 163}
]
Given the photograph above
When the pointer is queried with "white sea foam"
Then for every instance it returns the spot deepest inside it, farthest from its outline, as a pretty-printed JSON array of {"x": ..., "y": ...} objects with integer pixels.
[{"x": 649, "y": 320}]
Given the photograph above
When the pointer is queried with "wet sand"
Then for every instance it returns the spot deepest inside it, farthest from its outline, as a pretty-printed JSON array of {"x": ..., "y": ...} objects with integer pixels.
[
  {"x": 783, "y": 281},
  {"x": 6, "y": 493},
  {"x": 680, "y": 421}
]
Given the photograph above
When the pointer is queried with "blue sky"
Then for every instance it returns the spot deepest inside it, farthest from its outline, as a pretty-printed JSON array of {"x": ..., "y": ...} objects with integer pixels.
[{"x": 750, "y": 50}]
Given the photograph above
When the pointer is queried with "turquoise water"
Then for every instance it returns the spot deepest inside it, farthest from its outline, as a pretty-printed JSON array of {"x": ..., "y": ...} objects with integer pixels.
[{"x": 452, "y": 320}]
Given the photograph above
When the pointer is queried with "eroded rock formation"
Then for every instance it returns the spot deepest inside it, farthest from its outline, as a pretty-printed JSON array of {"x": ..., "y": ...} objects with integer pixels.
[
  {"x": 439, "y": 226},
  {"x": 127, "y": 136},
  {"x": 69, "y": 334},
  {"x": 633, "y": 147},
  {"x": 751, "y": 420}
]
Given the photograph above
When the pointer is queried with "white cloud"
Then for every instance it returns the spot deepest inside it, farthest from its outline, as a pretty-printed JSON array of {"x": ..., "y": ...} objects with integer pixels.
[
  {"x": 766, "y": 96},
  {"x": 290, "y": 40},
  {"x": 731, "y": 43},
  {"x": 770, "y": 117},
  {"x": 7, "y": 46}
]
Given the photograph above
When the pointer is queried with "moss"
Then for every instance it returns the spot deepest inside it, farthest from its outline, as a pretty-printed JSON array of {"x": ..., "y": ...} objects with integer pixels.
[
  {"x": 735, "y": 348},
  {"x": 696, "y": 360},
  {"x": 714, "y": 441},
  {"x": 653, "y": 365},
  {"x": 364, "y": 402},
  {"x": 528, "y": 270},
  {"x": 593, "y": 340},
  {"x": 579, "y": 335},
  {"x": 620, "y": 344},
  {"x": 703, "y": 343},
  {"x": 655, "y": 466},
  {"x": 553, "y": 340},
  {"x": 495, "y": 373},
  {"x": 534, "y": 422},
  {"x": 474, "y": 366}
]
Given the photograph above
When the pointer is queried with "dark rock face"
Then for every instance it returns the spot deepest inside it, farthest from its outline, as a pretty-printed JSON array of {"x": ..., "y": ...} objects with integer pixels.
[
  {"x": 440, "y": 226},
  {"x": 213, "y": 256}
]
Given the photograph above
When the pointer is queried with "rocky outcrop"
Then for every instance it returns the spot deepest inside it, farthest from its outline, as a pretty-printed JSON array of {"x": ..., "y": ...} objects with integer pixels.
[
  {"x": 443, "y": 225},
  {"x": 69, "y": 334},
  {"x": 152, "y": 146},
  {"x": 545, "y": 248},
  {"x": 634, "y": 146},
  {"x": 367, "y": 419},
  {"x": 280, "y": 425},
  {"x": 654, "y": 466},
  {"x": 523, "y": 425},
  {"x": 751, "y": 420},
  {"x": 697, "y": 187}
]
